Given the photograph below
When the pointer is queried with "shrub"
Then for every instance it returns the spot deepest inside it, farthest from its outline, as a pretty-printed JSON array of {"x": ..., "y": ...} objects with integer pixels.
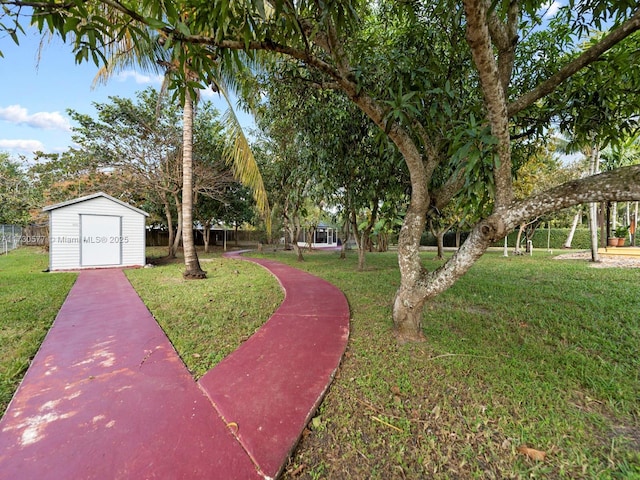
[{"x": 581, "y": 239}]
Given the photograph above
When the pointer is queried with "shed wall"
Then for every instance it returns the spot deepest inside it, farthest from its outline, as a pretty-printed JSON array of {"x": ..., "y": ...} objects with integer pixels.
[{"x": 65, "y": 241}]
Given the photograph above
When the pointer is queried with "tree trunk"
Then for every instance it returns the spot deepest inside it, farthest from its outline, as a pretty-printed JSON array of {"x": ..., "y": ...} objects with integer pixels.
[
  {"x": 440, "y": 243},
  {"x": 593, "y": 226},
  {"x": 635, "y": 225},
  {"x": 602, "y": 223},
  {"x": 206, "y": 235},
  {"x": 167, "y": 213},
  {"x": 295, "y": 233},
  {"x": 383, "y": 242},
  {"x": 364, "y": 243},
  {"x": 410, "y": 297},
  {"x": 345, "y": 239},
  {"x": 417, "y": 286},
  {"x": 572, "y": 232},
  {"x": 594, "y": 167},
  {"x": 519, "y": 239},
  {"x": 628, "y": 214},
  {"x": 359, "y": 238},
  {"x": 191, "y": 262},
  {"x": 292, "y": 227},
  {"x": 178, "y": 237},
  {"x": 312, "y": 234},
  {"x": 530, "y": 230},
  {"x": 361, "y": 255}
]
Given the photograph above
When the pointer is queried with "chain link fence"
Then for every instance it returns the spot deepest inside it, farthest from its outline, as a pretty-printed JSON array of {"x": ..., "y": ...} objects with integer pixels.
[{"x": 10, "y": 237}]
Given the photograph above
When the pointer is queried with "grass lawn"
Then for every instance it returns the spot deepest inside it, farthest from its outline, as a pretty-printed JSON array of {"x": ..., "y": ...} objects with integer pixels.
[
  {"x": 523, "y": 351},
  {"x": 29, "y": 302},
  {"x": 207, "y": 319}
]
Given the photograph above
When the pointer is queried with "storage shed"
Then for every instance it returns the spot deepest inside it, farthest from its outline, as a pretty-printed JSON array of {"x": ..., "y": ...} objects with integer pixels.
[{"x": 95, "y": 231}]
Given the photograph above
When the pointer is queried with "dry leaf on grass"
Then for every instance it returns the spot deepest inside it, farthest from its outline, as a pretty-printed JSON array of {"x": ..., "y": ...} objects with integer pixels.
[
  {"x": 299, "y": 470},
  {"x": 532, "y": 453}
]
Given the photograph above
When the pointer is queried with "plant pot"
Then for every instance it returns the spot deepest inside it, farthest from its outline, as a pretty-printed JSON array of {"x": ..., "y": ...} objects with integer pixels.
[
  {"x": 621, "y": 242},
  {"x": 612, "y": 242}
]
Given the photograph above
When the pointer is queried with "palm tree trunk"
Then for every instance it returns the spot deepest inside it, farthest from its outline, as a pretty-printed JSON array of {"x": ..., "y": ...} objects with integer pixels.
[{"x": 191, "y": 262}]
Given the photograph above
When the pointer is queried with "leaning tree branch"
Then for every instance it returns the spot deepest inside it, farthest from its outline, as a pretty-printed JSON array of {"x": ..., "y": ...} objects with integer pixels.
[
  {"x": 620, "y": 185},
  {"x": 318, "y": 84},
  {"x": 44, "y": 5},
  {"x": 441, "y": 197},
  {"x": 586, "y": 58}
]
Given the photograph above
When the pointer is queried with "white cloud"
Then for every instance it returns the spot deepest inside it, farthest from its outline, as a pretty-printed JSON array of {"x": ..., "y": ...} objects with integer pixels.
[
  {"x": 550, "y": 8},
  {"x": 27, "y": 146},
  {"x": 43, "y": 120},
  {"x": 139, "y": 78},
  {"x": 208, "y": 92}
]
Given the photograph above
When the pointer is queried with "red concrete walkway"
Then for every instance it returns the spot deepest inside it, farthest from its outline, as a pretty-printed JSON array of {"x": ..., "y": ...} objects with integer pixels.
[{"x": 108, "y": 397}]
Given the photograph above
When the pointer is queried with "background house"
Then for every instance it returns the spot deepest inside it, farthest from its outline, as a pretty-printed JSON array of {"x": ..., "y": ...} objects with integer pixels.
[{"x": 322, "y": 235}]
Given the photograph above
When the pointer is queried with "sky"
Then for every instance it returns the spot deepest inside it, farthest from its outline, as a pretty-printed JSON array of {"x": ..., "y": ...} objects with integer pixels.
[{"x": 36, "y": 89}]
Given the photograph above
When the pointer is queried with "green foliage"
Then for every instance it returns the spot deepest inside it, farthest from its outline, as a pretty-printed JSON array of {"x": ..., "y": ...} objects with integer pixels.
[
  {"x": 141, "y": 140},
  {"x": 581, "y": 239},
  {"x": 17, "y": 196},
  {"x": 234, "y": 206},
  {"x": 622, "y": 231},
  {"x": 411, "y": 57},
  {"x": 602, "y": 115},
  {"x": 342, "y": 163}
]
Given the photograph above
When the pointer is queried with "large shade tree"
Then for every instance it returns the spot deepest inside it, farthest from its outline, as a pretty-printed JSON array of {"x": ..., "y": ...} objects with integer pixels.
[
  {"x": 285, "y": 161},
  {"x": 16, "y": 195},
  {"x": 349, "y": 164},
  {"x": 453, "y": 84}
]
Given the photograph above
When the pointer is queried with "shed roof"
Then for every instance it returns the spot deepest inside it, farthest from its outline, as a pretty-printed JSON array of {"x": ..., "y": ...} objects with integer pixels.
[{"x": 91, "y": 197}]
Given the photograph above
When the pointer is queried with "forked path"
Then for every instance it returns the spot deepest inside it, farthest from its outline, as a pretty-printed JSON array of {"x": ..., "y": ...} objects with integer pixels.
[{"x": 107, "y": 396}]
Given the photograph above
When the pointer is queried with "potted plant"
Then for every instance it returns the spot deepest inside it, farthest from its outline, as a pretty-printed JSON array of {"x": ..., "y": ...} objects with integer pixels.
[{"x": 621, "y": 233}]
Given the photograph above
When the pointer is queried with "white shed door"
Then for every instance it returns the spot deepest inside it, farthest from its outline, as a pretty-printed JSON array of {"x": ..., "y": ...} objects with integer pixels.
[{"x": 100, "y": 239}]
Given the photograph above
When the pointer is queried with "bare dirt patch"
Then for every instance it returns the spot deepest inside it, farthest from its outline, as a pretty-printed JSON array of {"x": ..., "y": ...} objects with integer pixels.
[{"x": 606, "y": 261}]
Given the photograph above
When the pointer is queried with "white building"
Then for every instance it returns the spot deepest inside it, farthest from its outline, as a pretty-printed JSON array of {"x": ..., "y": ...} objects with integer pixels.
[
  {"x": 322, "y": 236},
  {"x": 95, "y": 231}
]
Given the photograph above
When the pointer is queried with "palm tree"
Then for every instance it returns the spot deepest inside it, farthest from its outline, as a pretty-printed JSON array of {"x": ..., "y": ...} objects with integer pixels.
[
  {"x": 191, "y": 261},
  {"x": 153, "y": 56}
]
